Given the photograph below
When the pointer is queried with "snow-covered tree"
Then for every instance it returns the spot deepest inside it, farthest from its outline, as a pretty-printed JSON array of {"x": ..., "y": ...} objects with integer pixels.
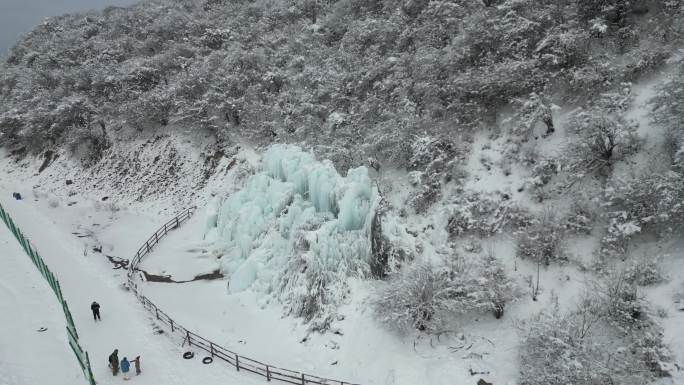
[{"x": 427, "y": 298}]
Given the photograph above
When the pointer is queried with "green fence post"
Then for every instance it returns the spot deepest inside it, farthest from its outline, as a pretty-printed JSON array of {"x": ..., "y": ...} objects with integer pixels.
[
  {"x": 91, "y": 378},
  {"x": 22, "y": 240},
  {"x": 26, "y": 244},
  {"x": 41, "y": 266},
  {"x": 59, "y": 292},
  {"x": 52, "y": 282},
  {"x": 32, "y": 254},
  {"x": 13, "y": 228},
  {"x": 16, "y": 230},
  {"x": 81, "y": 355},
  {"x": 70, "y": 319},
  {"x": 76, "y": 349}
]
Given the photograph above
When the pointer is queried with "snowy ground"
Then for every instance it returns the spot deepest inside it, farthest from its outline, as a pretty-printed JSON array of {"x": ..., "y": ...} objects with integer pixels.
[
  {"x": 28, "y": 356},
  {"x": 363, "y": 351},
  {"x": 26, "y": 305}
]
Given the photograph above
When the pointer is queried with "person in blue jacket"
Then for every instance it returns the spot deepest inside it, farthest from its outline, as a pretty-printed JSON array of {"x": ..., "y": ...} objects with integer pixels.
[{"x": 125, "y": 367}]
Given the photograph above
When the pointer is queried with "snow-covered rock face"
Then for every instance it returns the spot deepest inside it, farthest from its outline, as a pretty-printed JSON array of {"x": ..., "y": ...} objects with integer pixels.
[{"x": 296, "y": 228}]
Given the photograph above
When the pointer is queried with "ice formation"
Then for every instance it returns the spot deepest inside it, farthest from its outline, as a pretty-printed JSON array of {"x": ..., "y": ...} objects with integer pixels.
[{"x": 296, "y": 229}]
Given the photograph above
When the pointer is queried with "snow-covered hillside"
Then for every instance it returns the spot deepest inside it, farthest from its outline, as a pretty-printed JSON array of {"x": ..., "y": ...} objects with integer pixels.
[
  {"x": 255, "y": 215},
  {"x": 386, "y": 192}
]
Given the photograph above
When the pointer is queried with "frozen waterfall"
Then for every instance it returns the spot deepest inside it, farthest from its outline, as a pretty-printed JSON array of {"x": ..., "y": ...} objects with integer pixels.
[{"x": 296, "y": 228}]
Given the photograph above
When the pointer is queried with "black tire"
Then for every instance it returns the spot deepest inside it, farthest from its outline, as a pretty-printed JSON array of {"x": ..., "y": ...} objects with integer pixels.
[
  {"x": 207, "y": 360},
  {"x": 188, "y": 355}
]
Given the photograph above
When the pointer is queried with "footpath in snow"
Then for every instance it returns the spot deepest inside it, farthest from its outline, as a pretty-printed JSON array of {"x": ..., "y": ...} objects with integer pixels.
[{"x": 27, "y": 359}]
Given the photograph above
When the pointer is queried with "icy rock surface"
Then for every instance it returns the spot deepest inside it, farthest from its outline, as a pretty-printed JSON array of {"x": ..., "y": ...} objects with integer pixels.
[{"x": 296, "y": 230}]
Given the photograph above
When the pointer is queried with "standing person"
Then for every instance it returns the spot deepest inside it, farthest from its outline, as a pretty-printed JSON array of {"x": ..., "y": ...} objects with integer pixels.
[
  {"x": 95, "y": 307},
  {"x": 125, "y": 367},
  {"x": 136, "y": 361},
  {"x": 114, "y": 362}
]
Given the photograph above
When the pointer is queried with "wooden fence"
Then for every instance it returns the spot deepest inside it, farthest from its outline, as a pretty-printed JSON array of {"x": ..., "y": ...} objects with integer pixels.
[
  {"x": 81, "y": 355},
  {"x": 215, "y": 350}
]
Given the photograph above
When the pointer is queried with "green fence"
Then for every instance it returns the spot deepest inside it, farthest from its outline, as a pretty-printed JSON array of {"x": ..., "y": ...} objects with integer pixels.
[{"x": 81, "y": 355}]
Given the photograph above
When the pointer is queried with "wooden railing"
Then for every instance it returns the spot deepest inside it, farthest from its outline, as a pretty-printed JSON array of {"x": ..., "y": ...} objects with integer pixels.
[
  {"x": 237, "y": 361},
  {"x": 154, "y": 239}
]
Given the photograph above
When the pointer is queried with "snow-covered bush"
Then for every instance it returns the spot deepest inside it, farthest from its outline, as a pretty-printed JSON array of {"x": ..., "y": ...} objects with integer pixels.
[
  {"x": 553, "y": 352},
  {"x": 434, "y": 158},
  {"x": 530, "y": 113},
  {"x": 644, "y": 271},
  {"x": 580, "y": 217},
  {"x": 541, "y": 242},
  {"x": 668, "y": 111},
  {"x": 419, "y": 298},
  {"x": 427, "y": 298},
  {"x": 619, "y": 300},
  {"x": 543, "y": 171},
  {"x": 601, "y": 140},
  {"x": 499, "y": 288},
  {"x": 474, "y": 213},
  {"x": 580, "y": 348},
  {"x": 644, "y": 204}
]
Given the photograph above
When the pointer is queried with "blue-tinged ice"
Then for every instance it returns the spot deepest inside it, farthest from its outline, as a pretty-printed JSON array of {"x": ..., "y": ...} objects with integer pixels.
[{"x": 296, "y": 228}]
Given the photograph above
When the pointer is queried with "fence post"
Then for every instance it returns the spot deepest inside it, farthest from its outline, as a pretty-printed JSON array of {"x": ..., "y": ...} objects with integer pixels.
[
  {"x": 268, "y": 373},
  {"x": 303, "y": 380},
  {"x": 33, "y": 256},
  {"x": 187, "y": 335},
  {"x": 156, "y": 311},
  {"x": 51, "y": 280},
  {"x": 72, "y": 335},
  {"x": 171, "y": 325},
  {"x": 237, "y": 362},
  {"x": 59, "y": 291},
  {"x": 91, "y": 378},
  {"x": 147, "y": 243},
  {"x": 211, "y": 348},
  {"x": 177, "y": 222}
]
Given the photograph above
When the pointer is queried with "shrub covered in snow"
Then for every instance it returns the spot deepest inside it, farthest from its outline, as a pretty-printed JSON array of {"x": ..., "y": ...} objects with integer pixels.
[
  {"x": 498, "y": 287},
  {"x": 553, "y": 353},
  {"x": 650, "y": 203},
  {"x": 644, "y": 271},
  {"x": 474, "y": 213},
  {"x": 580, "y": 348},
  {"x": 619, "y": 300},
  {"x": 427, "y": 298},
  {"x": 668, "y": 111},
  {"x": 581, "y": 216},
  {"x": 529, "y": 113},
  {"x": 541, "y": 242},
  {"x": 418, "y": 298},
  {"x": 602, "y": 138},
  {"x": 434, "y": 160}
]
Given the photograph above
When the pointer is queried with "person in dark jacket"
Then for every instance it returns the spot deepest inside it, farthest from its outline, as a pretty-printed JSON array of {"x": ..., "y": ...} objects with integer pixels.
[
  {"x": 114, "y": 362},
  {"x": 95, "y": 307},
  {"x": 125, "y": 367},
  {"x": 136, "y": 361}
]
